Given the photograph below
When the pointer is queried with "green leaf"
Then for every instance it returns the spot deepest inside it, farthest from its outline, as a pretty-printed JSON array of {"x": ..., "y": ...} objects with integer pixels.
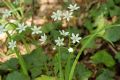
[
  {"x": 110, "y": 3},
  {"x": 10, "y": 26},
  {"x": 56, "y": 64},
  {"x": 50, "y": 26},
  {"x": 106, "y": 75},
  {"x": 73, "y": 30},
  {"x": 117, "y": 1},
  {"x": 18, "y": 37},
  {"x": 44, "y": 77},
  {"x": 0, "y": 77},
  {"x": 64, "y": 53},
  {"x": 55, "y": 34},
  {"x": 92, "y": 44},
  {"x": 82, "y": 72},
  {"x": 112, "y": 34},
  {"x": 10, "y": 65},
  {"x": 89, "y": 25},
  {"x": 115, "y": 11},
  {"x": 16, "y": 76},
  {"x": 117, "y": 56},
  {"x": 103, "y": 57},
  {"x": 36, "y": 61}
]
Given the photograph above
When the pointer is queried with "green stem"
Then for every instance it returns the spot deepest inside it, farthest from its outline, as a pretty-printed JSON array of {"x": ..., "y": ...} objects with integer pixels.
[
  {"x": 80, "y": 52},
  {"x": 26, "y": 46},
  {"x": 69, "y": 37},
  {"x": 21, "y": 61},
  {"x": 11, "y": 7},
  {"x": 60, "y": 66},
  {"x": 68, "y": 65}
]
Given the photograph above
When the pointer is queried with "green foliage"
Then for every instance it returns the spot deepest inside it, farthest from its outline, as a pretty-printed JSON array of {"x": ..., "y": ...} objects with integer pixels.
[
  {"x": 18, "y": 37},
  {"x": 28, "y": 1},
  {"x": 36, "y": 62},
  {"x": 16, "y": 76},
  {"x": 44, "y": 77},
  {"x": 112, "y": 34},
  {"x": 89, "y": 25},
  {"x": 106, "y": 75},
  {"x": 82, "y": 72},
  {"x": 50, "y": 26},
  {"x": 117, "y": 56},
  {"x": 9, "y": 65},
  {"x": 55, "y": 34},
  {"x": 92, "y": 44},
  {"x": 73, "y": 30},
  {"x": 40, "y": 66},
  {"x": 103, "y": 57},
  {"x": 64, "y": 56}
]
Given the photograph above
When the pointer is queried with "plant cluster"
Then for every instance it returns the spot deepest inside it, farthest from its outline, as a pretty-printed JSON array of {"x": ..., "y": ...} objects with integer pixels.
[{"x": 68, "y": 44}]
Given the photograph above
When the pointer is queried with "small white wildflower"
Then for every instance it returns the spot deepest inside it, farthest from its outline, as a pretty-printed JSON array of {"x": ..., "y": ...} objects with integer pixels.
[
  {"x": 73, "y": 7},
  {"x": 64, "y": 33},
  {"x": 75, "y": 38},
  {"x": 6, "y": 13},
  {"x": 21, "y": 27},
  {"x": 57, "y": 15},
  {"x": 2, "y": 29},
  {"x": 43, "y": 39},
  {"x": 59, "y": 41},
  {"x": 12, "y": 45},
  {"x": 16, "y": 2},
  {"x": 70, "y": 50},
  {"x": 67, "y": 15},
  {"x": 13, "y": 21},
  {"x": 36, "y": 30},
  {"x": 54, "y": 48}
]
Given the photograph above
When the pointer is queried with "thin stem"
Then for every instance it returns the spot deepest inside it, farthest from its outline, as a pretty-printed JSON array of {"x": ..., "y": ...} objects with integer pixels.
[
  {"x": 68, "y": 66},
  {"x": 80, "y": 52},
  {"x": 22, "y": 8},
  {"x": 26, "y": 45},
  {"x": 60, "y": 66},
  {"x": 9, "y": 5},
  {"x": 69, "y": 37},
  {"x": 21, "y": 61}
]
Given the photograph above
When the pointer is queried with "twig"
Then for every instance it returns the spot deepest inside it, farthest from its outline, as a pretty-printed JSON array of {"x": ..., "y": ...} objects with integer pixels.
[{"x": 112, "y": 48}]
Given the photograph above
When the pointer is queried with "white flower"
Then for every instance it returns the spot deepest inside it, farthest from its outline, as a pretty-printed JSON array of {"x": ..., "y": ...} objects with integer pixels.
[
  {"x": 6, "y": 13},
  {"x": 57, "y": 15},
  {"x": 43, "y": 39},
  {"x": 12, "y": 45},
  {"x": 73, "y": 7},
  {"x": 59, "y": 41},
  {"x": 64, "y": 33},
  {"x": 16, "y": 2},
  {"x": 75, "y": 38},
  {"x": 67, "y": 15},
  {"x": 21, "y": 27},
  {"x": 70, "y": 49},
  {"x": 36, "y": 30},
  {"x": 54, "y": 48},
  {"x": 2, "y": 29}
]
